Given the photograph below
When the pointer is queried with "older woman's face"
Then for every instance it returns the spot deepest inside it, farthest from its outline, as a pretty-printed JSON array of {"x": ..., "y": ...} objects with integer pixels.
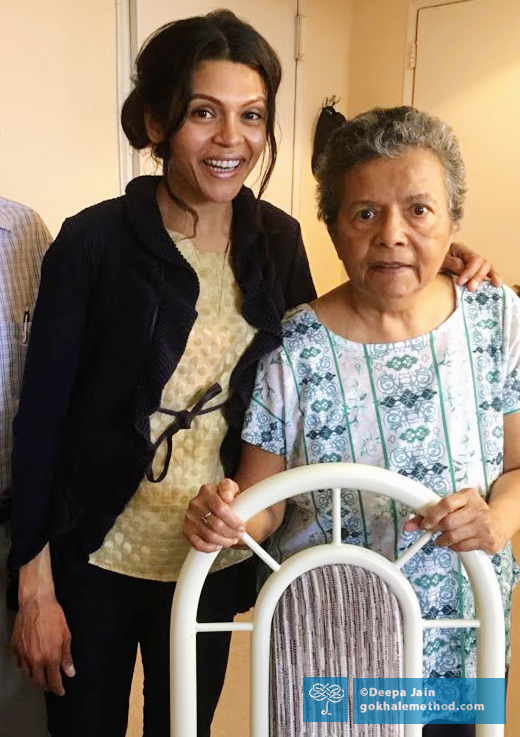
[{"x": 394, "y": 227}]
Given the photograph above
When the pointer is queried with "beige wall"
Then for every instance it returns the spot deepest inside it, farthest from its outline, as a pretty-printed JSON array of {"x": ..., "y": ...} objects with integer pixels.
[
  {"x": 377, "y": 54},
  {"x": 58, "y": 113},
  {"x": 326, "y": 73},
  {"x": 58, "y": 138}
]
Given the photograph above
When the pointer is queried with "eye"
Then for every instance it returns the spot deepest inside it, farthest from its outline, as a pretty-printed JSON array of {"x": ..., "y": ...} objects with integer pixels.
[
  {"x": 202, "y": 113},
  {"x": 254, "y": 116},
  {"x": 419, "y": 210},
  {"x": 365, "y": 214}
]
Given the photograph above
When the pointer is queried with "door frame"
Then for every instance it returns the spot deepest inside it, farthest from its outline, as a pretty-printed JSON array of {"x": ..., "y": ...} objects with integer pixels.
[
  {"x": 126, "y": 21},
  {"x": 411, "y": 42},
  {"x": 126, "y": 25}
]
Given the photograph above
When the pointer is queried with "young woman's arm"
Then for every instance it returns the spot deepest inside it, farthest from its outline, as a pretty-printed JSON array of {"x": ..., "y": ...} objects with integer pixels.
[
  {"x": 41, "y": 638},
  {"x": 211, "y": 524}
]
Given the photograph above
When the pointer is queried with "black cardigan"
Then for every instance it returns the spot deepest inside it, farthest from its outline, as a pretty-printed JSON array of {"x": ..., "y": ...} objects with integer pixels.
[{"x": 114, "y": 312}]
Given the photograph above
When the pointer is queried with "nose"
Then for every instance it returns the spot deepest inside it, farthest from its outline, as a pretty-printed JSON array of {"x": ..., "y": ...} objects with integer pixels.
[
  {"x": 229, "y": 131},
  {"x": 392, "y": 230}
]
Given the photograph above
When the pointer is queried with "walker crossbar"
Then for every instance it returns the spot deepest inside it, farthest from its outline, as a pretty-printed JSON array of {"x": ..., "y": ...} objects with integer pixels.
[{"x": 335, "y": 476}]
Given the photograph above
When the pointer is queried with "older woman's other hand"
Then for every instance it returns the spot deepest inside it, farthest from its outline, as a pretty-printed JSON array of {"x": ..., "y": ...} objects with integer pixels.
[
  {"x": 210, "y": 523},
  {"x": 465, "y": 521},
  {"x": 470, "y": 268}
]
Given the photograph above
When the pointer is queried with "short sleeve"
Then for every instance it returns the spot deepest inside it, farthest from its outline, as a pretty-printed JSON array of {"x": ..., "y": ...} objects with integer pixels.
[
  {"x": 264, "y": 422},
  {"x": 511, "y": 391}
]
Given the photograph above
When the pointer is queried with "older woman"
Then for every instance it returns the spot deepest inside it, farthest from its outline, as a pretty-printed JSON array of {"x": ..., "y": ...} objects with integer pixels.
[{"x": 398, "y": 367}]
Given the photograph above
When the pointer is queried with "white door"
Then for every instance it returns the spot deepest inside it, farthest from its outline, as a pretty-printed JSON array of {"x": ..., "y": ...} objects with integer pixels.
[
  {"x": 274, "y": 19},
  {"x": 468, "y": 73}
]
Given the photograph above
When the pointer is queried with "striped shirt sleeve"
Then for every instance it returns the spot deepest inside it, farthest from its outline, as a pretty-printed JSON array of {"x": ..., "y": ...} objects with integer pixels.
[{"x": 23, "y": 242}]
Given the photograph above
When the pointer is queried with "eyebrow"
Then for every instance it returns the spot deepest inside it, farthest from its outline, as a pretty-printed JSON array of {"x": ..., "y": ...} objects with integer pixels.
[
  {"x": 410, "y": 198},
  {"x": 421, "y": 196},
  {"x": 366, "y": 203},
  {"x": 203, "y": 96}
]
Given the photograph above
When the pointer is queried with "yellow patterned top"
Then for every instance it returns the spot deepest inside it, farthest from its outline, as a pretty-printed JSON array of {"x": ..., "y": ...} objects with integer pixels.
[{"x": 146, "y": 540}]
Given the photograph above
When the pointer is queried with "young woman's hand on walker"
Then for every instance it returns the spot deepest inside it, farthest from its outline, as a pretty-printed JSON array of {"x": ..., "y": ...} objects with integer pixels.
[{"x": 210, "y": 523}]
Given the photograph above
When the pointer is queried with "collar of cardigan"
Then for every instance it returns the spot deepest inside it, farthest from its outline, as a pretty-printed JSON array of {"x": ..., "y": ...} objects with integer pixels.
[{"x": 250, "y": 258}]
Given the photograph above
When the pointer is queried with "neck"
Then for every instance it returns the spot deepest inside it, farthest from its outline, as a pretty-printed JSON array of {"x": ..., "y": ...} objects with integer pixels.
[
  {"x": 402, "y": 318},
  {"x": 359, "y": 317},
  {"x": 210, "y": 231}
]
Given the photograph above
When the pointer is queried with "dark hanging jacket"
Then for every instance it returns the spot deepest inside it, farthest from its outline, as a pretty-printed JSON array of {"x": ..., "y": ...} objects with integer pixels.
[{"x": 114, "y": 312}]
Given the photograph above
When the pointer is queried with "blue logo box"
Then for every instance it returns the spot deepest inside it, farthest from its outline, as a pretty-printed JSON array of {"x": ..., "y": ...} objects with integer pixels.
[
  {"x": 325, "y": 699},
  {"x": 429, "y": 700}
]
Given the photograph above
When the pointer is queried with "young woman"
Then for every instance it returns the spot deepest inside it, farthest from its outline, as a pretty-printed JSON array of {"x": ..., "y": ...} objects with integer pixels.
[{"x": 153, "y": 312}]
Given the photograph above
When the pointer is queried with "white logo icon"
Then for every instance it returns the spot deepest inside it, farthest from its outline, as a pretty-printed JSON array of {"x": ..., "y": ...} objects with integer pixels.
[{"x": 334, "y": 694}]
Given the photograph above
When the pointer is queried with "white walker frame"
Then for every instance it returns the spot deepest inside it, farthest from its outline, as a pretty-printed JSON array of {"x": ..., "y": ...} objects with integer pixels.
[{"x": 335, "y": 476}]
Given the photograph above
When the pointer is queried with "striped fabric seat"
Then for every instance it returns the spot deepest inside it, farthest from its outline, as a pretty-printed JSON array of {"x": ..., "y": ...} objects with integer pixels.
[{"x": 335, "y": 620}]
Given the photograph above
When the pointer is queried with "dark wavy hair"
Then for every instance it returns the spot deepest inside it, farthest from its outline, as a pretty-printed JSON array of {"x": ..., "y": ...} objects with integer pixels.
[
  {"x": 164, "y": 71},
  {"x": 386, "y": 133}
]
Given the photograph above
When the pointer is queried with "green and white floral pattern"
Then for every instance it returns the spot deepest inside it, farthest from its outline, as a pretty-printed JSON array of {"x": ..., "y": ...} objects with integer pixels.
[{"x": 430, "y": 408}]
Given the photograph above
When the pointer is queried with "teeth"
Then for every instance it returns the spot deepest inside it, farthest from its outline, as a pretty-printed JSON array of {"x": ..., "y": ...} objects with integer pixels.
[{"x": 223, "y": 163}]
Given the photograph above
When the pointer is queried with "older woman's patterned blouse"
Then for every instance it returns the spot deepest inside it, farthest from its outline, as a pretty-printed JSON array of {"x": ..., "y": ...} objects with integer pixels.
[{"x": 430, "y": 408}]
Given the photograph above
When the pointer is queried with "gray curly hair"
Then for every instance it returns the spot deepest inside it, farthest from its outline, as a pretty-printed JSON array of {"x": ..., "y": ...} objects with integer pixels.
[{"x": 387, "y": 133}]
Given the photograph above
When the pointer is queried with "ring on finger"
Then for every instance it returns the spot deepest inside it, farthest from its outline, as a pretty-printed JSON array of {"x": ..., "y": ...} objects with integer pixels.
[{"x": 205, "y": 517}]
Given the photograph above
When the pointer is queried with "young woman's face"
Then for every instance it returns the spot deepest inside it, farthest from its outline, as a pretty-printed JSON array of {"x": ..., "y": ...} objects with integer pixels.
[{"x": 223, "y": 135}]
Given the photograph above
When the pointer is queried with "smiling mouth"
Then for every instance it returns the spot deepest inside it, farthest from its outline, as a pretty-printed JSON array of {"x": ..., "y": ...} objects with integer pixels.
[{"x": 222, "y": 166}]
